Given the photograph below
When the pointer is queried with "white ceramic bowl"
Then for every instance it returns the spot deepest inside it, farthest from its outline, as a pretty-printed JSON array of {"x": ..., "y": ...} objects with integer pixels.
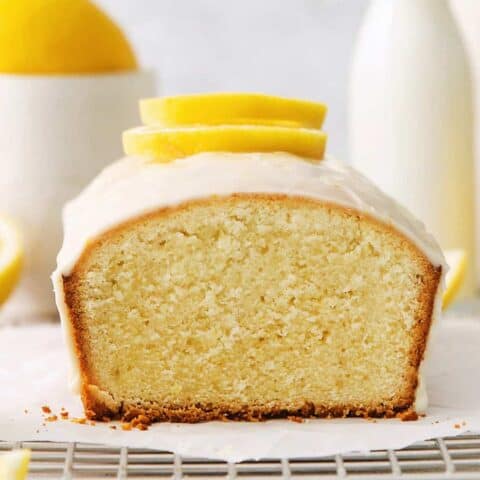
[{"x": 56, "y": 134}]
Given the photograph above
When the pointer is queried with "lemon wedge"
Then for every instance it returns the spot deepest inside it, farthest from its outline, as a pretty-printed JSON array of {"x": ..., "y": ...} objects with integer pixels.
[
  {"x": 11, "y": 258},
  {"x": 231, "y": 109},
  {"x": 14, "y": 464},
  {"x": 61, "y": 37},
  {"x": 167, "y": 144},
  {"x": 457, "y": 263}
]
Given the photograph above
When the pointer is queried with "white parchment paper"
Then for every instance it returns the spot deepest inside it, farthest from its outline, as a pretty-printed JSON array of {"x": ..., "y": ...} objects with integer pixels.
[{"x": 33, "y": 371}]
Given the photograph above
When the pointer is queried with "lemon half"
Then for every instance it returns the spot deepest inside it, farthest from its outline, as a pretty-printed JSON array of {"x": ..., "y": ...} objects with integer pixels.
[
  {"x": 11, "y": 257},
  {"x": 14, "y": 464},
  {"x": 167, "y": 144},
  {"x": 231, "y": 109},
  {"x": 60, "y": 37}
]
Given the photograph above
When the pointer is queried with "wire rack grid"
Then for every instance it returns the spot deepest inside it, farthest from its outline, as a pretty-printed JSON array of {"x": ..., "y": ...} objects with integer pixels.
[{"x": 441, "y": 458}]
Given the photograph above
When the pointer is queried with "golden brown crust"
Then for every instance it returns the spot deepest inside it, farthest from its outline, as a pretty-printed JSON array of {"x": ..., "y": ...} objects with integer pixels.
[
  {"x": 198, "y": 412},
  {"x": 99, "y": 404}
]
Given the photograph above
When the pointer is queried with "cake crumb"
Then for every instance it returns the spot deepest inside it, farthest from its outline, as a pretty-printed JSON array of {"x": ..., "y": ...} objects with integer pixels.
[
  {"x": 46, "y": 409},
  {"x": 141, "y": 422},
  {"x": 52, "y": 418},
  {"x": 113, "y": 427},
  {"x": 294, "y": 418},
  {"x": 457, "y": 425},
  {"x": 81, "y": 421},
  {"x": 408, "y": 416},
  {"x": 64, "y": 414},
  {"x": 25, "y": 411}
]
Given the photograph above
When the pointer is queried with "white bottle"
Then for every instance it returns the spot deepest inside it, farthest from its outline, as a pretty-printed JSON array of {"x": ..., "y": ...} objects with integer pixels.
[
  {"x": 467, "y": 13},
  {"x": 411, "y": 116}
]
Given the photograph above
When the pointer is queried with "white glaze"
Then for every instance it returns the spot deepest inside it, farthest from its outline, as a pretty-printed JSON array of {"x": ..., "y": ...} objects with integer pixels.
[{"x": 134, "y": 186}]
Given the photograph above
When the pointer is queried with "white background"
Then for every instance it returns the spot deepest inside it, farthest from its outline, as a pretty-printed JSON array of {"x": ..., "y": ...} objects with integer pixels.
[{"x": 290, "y": 47}]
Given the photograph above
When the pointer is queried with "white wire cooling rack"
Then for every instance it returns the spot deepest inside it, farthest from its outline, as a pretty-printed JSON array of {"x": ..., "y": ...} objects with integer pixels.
[{"x": 441, "y": 458}]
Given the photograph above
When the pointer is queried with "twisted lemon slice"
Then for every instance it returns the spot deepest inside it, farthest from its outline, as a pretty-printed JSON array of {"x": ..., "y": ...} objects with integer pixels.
[
  {"x": 231, "y": 109},
  {"x": 167, "y": 144}
]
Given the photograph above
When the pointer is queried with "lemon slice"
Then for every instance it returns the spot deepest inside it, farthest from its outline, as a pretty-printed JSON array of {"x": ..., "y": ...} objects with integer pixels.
[
  {"x": 231, "y": 109},
  {"x": 457, "y": 263},
  {"x": 167, "y": 144},
  {"x": 14, "y": 464},
  {"x": 11, "y": 258}
]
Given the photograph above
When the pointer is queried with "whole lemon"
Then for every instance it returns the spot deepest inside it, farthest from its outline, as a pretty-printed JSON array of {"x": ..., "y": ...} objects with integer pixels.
[{"x": 60, "y": 37}]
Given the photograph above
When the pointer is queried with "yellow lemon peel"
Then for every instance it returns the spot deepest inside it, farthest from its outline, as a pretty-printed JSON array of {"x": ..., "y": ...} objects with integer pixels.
[
  {"x": 231, "y": 109},
  {"x": 60, "y": 37},
  {"x": 14, "y": 464},
  {"x": 165, "y": 144},
  {"x": 457, "y": 263}
]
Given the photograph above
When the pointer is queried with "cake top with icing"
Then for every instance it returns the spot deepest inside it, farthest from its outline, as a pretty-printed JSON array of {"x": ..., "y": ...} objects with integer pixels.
[
  {"x": 135, "y": 186},
  {"x": 196, "y": 146}
]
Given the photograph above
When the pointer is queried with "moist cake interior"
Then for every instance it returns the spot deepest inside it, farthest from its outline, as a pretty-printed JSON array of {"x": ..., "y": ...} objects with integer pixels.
[{"x": 250, "y": 305}]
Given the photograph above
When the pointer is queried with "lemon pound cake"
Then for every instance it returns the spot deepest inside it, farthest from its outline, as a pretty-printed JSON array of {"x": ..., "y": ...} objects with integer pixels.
[{"x": 243, "y": 285}]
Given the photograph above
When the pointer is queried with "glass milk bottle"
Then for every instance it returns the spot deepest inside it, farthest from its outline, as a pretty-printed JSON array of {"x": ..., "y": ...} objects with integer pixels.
[{"x": 411, "y": 119}]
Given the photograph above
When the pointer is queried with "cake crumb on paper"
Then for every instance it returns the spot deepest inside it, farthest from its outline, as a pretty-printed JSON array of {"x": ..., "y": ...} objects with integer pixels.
[
  {"x": 408, "y": 416},
  {"x": 294, "y": 418},
  {"x": 457, "y": 425},
  {"x": 90, "y": 414},
  {"x": 141, "y": 422},
  {"x": 81, "y": 421},
  {"x": 46, "y": 409},
  {"x": 52, "y": 418}
]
